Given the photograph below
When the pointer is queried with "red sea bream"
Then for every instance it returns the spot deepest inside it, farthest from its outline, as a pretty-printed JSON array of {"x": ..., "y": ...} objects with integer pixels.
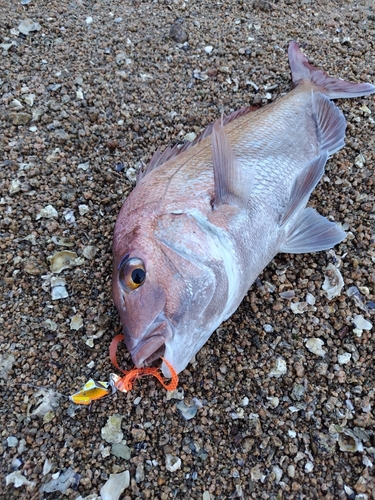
[{"x": 205, "y": 220}]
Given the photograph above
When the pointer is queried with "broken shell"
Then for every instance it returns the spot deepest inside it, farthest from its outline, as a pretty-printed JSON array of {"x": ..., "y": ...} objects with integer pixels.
[
  {"x": 83, "y": 209},
  {"x": 76, "y": 322},
  {"x": 63, "y": 260},
  {"x": 279, "y": 369},
  {"x": 29, "y": 99},
  {"x": 333, "y": 282},
  {"x": 190, "y": 137},
  {"x": 15, "y": 104},
  {"x": 349, "y": 442},
  {"x": 28, "y": 25},
  {"x": 116, "y": 483},
  {"x": 361, "y": 323},
  {"x": 188, "y": 412},
  {"x": 84, "y": 166},
  {"x": 288, "y": 294},
  {"x": 112, "y": 432},
  {"x": 58, "y": 288},
  {"x": 172, "y": 463},
  {"x": 200, "y": 75},
  {"x": 69, "y": 216},
  {"x": 89, "y": 252},
  {"x": 47, "y": 212},
  {"x": 310, "y": 299},
  {"x": 298, "y": 307},
  {"x": 63, "y": 242},
  {"x": 343, "y": 359},
  {"x": 314, "y": 345}
]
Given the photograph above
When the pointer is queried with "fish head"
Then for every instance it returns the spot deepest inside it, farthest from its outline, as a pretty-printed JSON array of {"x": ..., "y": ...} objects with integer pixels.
[{"x": 163, "y": 288}]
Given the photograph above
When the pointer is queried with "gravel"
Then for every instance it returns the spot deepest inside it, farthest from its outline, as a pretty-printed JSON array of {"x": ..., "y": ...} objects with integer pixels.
[{"x": 89, "y": 90}]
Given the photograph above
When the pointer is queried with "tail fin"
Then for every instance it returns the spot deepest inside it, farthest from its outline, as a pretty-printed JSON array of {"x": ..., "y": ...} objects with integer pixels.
[{"x": 334, "y": 88}]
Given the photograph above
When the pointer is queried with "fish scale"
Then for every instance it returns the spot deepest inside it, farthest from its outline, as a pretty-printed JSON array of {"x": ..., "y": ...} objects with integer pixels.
[{"x": 204, "y": 221}]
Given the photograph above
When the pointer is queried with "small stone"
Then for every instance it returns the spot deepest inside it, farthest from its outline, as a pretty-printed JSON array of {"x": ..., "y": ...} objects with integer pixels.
[
  {"x": 309, "y": 466},
  {"x": 139, "y": 473},
  {"x": 89, "y": 252},
  {"x": 88, "y": 20},
  {"x": 12, "y": 442},
  {"x": 268, "y": 328},
  {"x": 291, "y": 470},
  {"x": 322, "y": 444},
  {"x": 178, "y": 33},
  {"x": 298, "y": 392},
  {"x": 208, "y": 49},
  {"x": 19, "y": 118},
  {"x": 298, "y": 307}
]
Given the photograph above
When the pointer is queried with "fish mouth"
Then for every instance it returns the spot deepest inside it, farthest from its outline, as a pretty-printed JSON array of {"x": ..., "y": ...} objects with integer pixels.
[{"x": 153, "y": 347}]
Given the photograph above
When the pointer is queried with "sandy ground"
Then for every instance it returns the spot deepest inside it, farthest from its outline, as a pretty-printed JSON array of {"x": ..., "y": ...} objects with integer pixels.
[{"x": 85, "y": 97}]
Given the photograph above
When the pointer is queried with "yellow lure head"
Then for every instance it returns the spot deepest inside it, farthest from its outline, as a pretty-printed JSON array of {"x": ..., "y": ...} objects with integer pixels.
[{"x": 90, "y": 391}]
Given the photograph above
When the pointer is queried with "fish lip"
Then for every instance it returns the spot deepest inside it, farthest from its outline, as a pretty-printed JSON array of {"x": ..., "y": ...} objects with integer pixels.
[{"x": 153, "y": 346}]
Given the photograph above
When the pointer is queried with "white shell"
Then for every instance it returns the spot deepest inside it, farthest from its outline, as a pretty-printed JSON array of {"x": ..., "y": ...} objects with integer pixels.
[
  {"x": 314, "y": 345},
  {"x": 172, "y": 463},
  {"x": 362, "y": 323},
  {"x": 333, "y": 284},
  {"x": 279, "y": 368}
]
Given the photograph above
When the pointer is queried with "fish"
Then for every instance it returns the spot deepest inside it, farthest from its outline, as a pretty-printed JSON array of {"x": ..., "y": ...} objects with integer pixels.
[{"x": 205, "y": 219}]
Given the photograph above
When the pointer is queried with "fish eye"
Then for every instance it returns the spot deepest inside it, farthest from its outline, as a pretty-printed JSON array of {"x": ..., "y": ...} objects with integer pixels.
[{"x": 132, "y": 273}]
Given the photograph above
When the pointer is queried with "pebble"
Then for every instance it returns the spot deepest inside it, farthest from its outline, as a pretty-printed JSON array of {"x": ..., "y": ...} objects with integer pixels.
[{"x": 12, "y": 442}]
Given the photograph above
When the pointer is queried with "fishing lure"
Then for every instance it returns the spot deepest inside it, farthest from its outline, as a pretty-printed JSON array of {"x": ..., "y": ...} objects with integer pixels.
[
  {"x": 90, "y": 392},
  {"x": 125, "y": 383}
]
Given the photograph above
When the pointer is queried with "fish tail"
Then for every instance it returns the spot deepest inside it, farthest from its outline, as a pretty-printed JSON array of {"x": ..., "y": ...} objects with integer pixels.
[{"x": 333, "y": 87}]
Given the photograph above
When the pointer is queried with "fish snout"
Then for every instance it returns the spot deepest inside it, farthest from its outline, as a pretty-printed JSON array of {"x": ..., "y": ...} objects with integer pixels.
[{"x": 151, "y": 346}]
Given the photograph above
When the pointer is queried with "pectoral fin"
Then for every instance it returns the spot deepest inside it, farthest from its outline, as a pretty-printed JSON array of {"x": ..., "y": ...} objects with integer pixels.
[
  {"x": 304, "y": 186},
  {"x": 312, "y": 233},
  {"x": 233, "y": 183}
]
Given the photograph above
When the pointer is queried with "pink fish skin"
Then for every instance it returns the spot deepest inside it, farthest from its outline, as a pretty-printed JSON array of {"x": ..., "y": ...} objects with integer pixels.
[{"x": 205, "y": 220}]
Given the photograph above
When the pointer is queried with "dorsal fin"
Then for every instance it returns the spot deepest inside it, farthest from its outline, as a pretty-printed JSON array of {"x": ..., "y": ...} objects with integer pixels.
[
  {"x": 173, "y": 151},
  {"x": 233, "y": 183}
]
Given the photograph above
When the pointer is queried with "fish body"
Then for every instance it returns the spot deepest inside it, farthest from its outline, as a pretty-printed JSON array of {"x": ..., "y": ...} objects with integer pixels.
[{"x": 202, "y": 223}]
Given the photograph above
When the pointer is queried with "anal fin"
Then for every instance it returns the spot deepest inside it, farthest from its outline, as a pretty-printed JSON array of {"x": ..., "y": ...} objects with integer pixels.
[
  {"x": 233, "y": 183},
  {"x": 312, "y": 233}
]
